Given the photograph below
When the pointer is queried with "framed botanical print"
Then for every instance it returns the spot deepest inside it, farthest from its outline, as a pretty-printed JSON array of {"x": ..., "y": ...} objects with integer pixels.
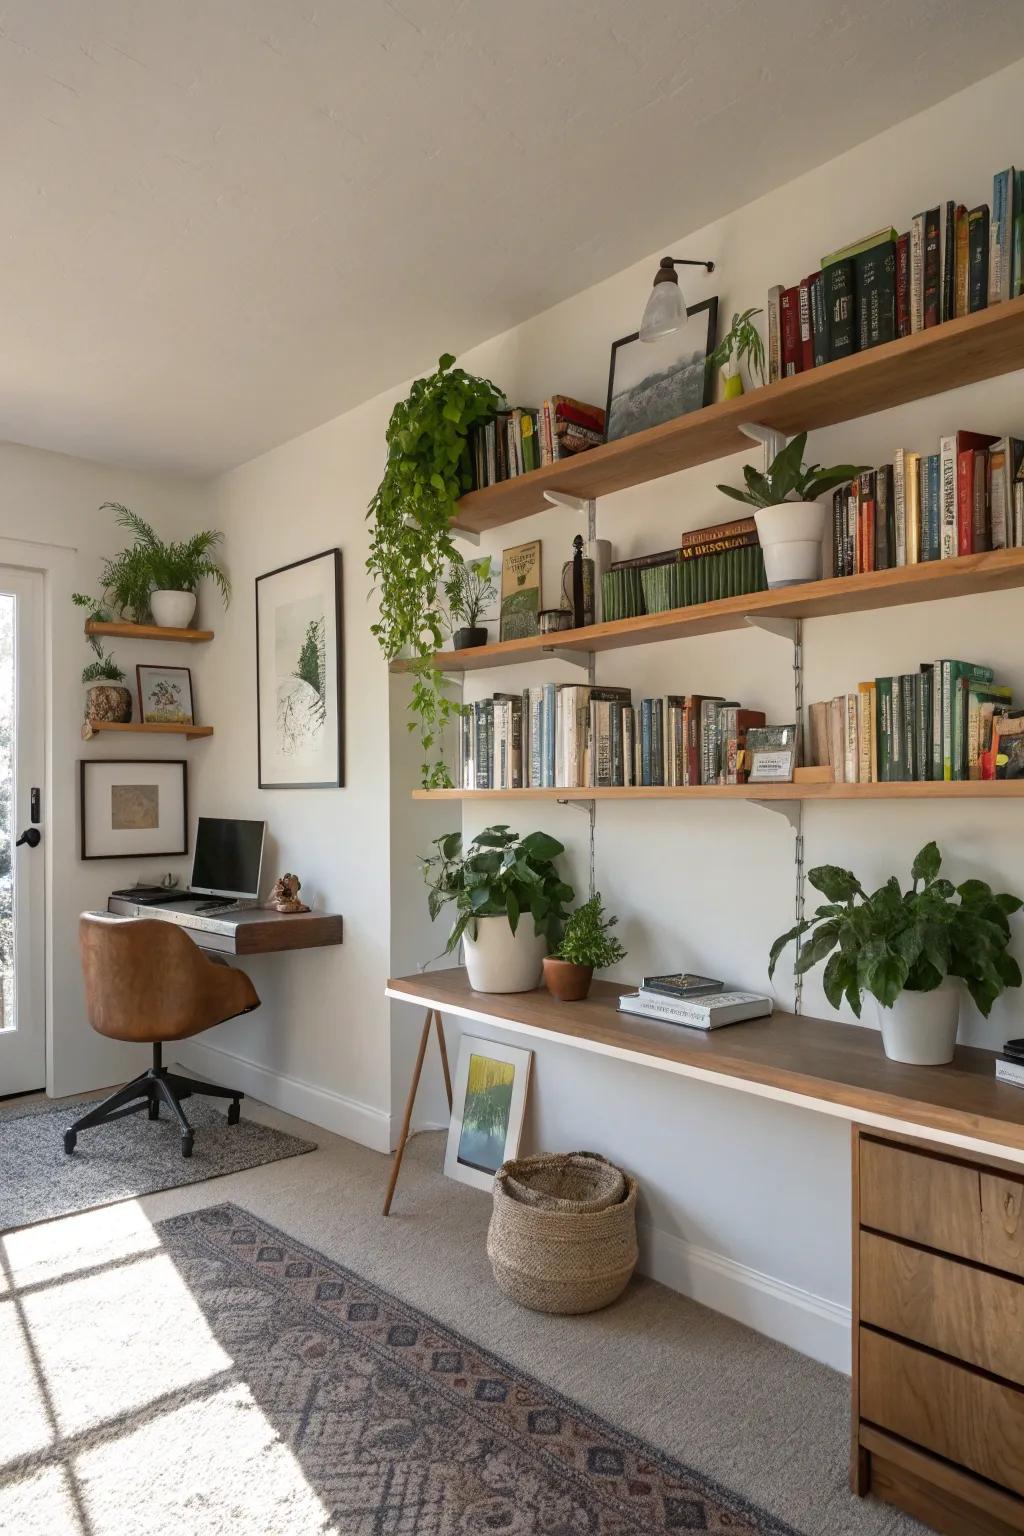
[
  {"x": 489, "y": 1102},
  {"x": 133, "y": 808},
  {"x": 165, "y": 695},
  {"x": 299, "y": 689},
  {"x": 653, "y": 381}
]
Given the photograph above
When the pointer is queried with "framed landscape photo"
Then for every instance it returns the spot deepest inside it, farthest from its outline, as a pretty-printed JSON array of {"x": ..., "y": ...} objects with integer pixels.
[
  {"x": 299, "y": 691},
  {"x": 165, "y": 695},
  {"x": 653, "y": 381},
  {"x": 133, "y": 809},
  {"x": 488, "y": 1104}
]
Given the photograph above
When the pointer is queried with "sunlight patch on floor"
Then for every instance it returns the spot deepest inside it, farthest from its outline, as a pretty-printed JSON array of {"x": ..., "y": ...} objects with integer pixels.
[
  {"x": 24, "y": 1425},
  {"x": 75, "y": 1243},
  {"x": 40, "y": 1505}
]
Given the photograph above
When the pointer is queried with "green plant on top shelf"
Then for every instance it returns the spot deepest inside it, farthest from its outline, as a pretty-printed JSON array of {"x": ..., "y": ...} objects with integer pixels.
[
  {"x": 411, "y": 543},
  {"x": 128, "y": 579},
  {"x": 742, "y": 340},
  {"x": 587, "y": 940},
  {"x": 790, "y": 479},
  {"x": 499, "y": 875}
]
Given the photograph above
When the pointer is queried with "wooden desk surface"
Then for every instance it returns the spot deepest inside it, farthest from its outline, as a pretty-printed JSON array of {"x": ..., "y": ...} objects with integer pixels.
[
  {"x": 824, "y": 1064},
  {"x": 253, "y": 931}
]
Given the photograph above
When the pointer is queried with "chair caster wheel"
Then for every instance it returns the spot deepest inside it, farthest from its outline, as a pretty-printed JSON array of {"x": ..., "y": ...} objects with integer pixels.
[
  {"x": 186, "y": 1146},
  {"x": 234, "y": 1112},
  {"x": 70, "y": 1138}
]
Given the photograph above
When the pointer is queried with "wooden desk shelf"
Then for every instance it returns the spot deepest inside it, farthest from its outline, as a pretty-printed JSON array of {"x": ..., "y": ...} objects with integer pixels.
[
  {"x": 973, "y": 789},
  {"x": 191, "y": 731},
  {"x": 126, "y": 631}
]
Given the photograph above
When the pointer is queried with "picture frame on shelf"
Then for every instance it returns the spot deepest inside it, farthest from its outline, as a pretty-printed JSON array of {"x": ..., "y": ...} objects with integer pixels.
[
  {"x": 520, "y": 591},
  {"x": 299, "y": 675},
  {"x": 165, "y": 695},
  {"x": 488, "y": 1106},
  {"x": 654, "y": 381},
  {"x": 133, "y": 808}
]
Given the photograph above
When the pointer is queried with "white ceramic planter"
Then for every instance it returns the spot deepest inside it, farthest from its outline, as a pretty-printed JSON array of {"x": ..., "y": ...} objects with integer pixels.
[
  {"x": 173, "y": 610},
  {"x": 499, "y": 960},
  {"x": 791, "y": 537},
  {"x": 920, "y": 1027}
]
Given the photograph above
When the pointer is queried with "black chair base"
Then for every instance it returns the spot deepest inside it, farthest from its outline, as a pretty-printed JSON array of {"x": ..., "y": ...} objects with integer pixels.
[{"x": 155, "y": 1087}]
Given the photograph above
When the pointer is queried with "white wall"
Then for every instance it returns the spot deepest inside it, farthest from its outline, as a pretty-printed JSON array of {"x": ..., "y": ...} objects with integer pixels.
[{"x": 50, "y": 522}]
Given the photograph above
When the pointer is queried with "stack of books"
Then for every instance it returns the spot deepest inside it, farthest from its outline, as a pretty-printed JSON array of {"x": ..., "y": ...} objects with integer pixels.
[
  {"x": 948, "y": 720},
  {"x": 1010, "y": 1065},
  {"x": 723, "y": 560},
  {"x": 965, "y": 499},
  {"x": 950, "y": 262},
  {"x": 695, "y": 1002},
  {"x": 523, "y": 437},
  {"x": 568, "y": 427}
]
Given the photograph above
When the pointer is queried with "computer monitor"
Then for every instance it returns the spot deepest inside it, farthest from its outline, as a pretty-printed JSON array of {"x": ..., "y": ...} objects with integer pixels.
[{"x": 228, "y": 858}]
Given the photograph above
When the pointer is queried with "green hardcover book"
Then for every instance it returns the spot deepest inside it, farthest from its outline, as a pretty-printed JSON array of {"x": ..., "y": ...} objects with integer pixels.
[
  {"x": 910, "y": 692},
  {"x": 883, "y": 727},
  {"x": 923, "y": 720},
  {"x": 953, "y": 727}
]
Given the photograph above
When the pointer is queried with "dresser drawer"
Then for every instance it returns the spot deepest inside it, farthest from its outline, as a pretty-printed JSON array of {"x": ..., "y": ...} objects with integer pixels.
[
  {"x": 944, "y": 1408},
  {"x": 969, "y": 1313},
  {"x": 956, "y": 1207}
]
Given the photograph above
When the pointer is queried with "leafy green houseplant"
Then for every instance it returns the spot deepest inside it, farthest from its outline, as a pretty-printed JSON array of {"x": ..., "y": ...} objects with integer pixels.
[
  {"x": 790, "y": 519},
  {"x": 469, "y": 590},
  {"x": 742, "y": 340},
  {"x": 132, "y": 581},
  {"x": 107, "y": 699},
  {"x": 411, "y": 541},
  {"x": 904, "y": 948},
  {"x": 587, "y": 945},
  {"x": 509, "y": 903}
]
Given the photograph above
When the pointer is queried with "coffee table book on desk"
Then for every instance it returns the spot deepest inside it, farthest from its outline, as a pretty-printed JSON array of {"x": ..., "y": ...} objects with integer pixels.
[{"x": 938, "y": 1223}]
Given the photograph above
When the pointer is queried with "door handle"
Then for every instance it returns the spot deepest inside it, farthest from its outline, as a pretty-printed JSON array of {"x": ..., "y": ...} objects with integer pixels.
[{"x": 31, "y": 836}]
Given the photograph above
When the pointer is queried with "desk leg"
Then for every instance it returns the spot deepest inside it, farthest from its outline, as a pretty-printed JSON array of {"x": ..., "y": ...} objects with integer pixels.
[
  {"x": 396, "y": 1165},
  {"x": 444, "y": 1057}
]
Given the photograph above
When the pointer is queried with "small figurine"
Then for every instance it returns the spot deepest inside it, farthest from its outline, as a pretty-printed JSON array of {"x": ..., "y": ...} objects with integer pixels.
[{"x": 285, "y": 895}]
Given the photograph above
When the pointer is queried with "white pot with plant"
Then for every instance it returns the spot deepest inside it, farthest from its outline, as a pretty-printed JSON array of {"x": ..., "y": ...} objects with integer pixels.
[
  {"x": 509, "y": 903},
  {"x": 913, "y": 952},
  {"x": 791, "y": 521},
  {"x": 152, "y": 577},
  {"x": 469, "y": 590},
  {"x": 741, "y": 342}
]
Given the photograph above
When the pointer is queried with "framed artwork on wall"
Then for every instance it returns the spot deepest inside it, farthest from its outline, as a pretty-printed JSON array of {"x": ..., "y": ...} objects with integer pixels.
[
  {"x": 653, "y": 381},
  {"x": 299, "y": 689},
  {"x": 133, "y": 808},
  {"x": 165, "y": 695},
  {"x": 488, "y": 1105}
]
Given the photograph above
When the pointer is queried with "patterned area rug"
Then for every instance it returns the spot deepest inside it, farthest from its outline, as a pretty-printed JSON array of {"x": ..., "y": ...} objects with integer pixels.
[
  {"x": 337, "y": 1408},
  {"x": 121, "y": 1160}
]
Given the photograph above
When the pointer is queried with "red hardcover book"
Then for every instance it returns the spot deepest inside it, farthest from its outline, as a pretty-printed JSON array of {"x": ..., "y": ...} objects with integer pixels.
[
  {"x": 969, "y": 540},
  {"x": 691, "y": 735},
  {"x": 792, "y": 349},
  {"x": 591, "y": 417},
  {"x": 806, "y": 332},
  {"x": 903, "y": 285}
]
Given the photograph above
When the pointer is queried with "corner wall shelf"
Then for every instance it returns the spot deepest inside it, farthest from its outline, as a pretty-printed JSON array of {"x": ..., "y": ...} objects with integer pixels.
[
  {"x": 979, "y": 346},
  {"x": 191, "y": 731},
  {"x": 972, "y": 789},
  {"x": 126, "y": 631}
]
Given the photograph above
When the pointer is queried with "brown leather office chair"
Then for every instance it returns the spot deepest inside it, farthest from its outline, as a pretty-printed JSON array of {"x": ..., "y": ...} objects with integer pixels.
[{"x": 145, "y": 979}]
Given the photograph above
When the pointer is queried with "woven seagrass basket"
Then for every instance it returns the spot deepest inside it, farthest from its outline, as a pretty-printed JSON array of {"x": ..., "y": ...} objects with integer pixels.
[{"x": 563, "y": 1232}]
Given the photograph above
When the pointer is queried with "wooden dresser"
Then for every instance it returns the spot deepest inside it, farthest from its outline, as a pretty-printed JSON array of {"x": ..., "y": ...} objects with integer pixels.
[{"x": 938, "y": 1315}]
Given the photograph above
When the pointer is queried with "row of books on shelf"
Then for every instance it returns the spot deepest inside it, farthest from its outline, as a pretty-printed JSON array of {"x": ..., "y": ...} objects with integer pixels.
[
  {"x": 578, "y": 736},
  {"x": 963, "y": 500},
  {"x": 723, "y": 560},
  {"x": 523, "y": 438},
  {"x": 952, "y": 261},
  {"x": 948, "y": 720}
]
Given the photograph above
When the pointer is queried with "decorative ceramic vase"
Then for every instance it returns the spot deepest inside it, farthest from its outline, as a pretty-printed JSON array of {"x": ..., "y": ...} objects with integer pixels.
[
  {"x": 920, "y": 1027},
  {"x": 173, "y": 610},
  {"x": 469, "y": 637},
  {"x": 732, "y": 380},
  {"x": 568, "y": 982},
  {"x": 499, "y": 960},
  {"x": 791, "y": 536},
  {"x": 108, "y": 703}
]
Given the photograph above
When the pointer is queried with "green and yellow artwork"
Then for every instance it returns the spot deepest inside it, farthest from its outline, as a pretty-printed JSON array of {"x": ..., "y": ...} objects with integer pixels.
[
  {"x": 520, "y": 591},
  {"x": 485, "y": 1115}
]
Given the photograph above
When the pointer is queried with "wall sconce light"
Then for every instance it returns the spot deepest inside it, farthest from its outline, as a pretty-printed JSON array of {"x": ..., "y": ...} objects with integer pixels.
[{"x": 666, "y": 306}]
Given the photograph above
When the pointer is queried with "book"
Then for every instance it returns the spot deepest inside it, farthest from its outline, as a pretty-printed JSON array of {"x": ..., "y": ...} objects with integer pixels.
[
  {"x": 806, "y": 337},
  {"x": 963, "y": 449},
  {"x": 848, "y": 252},
  {"x": 789, "y": 321},
  {"x": 520, "y": 590},
  {"x": 718, "y": 1009},
  {"x": 960, "y": 276},
  {"x": 866, "y": 521},
  {"x": 932, "y": 269},
  {"x": 977, "y": 258},
  {"x": 681, "y": 984},
  {"x": 840, "y": 298},
  {"x": 903, "y": 285},
  {"x": 913, "y": 490},
  {"x": 885, "y": 519},
  {"x": 899, "y": 498},
  {"x": 1017, "y": 243},
  {"x": 774, "y": 328},
  {"x": 949, "y": 262},
  {"x": 1010, "y": 1071},
  {"x": 950, "y": 672},
  {"x": 1004, "y": 457},
  {"x": 875, "y": 294},
  {"x": 930, "y": 507},
  {"x": 917, "y": 273},
  {"x": 819, "y": 321},
  {"x": 1000, "y": 253}
]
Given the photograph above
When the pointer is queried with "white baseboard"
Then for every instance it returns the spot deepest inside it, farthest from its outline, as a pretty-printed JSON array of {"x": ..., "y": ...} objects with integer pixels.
[
  {"x": 321, "y": 1106},
  {"x": 809, "y": 1323}
]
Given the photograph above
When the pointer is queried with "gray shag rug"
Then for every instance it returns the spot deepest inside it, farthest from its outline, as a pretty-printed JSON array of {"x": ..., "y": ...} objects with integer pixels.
[
  {"x": 279, "y": 1392},
  {"x": 122, "y": 1159}
]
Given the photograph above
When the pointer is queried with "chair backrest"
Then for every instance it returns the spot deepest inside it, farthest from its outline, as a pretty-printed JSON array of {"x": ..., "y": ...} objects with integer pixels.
[{"x": 145, "y": 979}]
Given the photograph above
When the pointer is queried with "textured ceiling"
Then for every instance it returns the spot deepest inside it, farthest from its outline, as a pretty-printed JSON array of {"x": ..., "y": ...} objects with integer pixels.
[{"x": 226, "y": 221}]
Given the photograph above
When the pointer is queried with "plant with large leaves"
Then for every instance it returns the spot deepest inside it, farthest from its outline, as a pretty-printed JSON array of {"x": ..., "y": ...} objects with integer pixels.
[
  {"x": 789, "y": 479},
  {"x": 411, "y": 545},
  {"x": 499, "y": 875},
  {"x": 894, "y": 940}
]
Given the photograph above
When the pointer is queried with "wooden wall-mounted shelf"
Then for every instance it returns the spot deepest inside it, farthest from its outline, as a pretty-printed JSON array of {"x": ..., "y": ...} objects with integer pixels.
[
  {"x": 978, "y": 346},
  {"x": 191, "y": 731},
  {"x": 972, "y": 789},
  {"x": 126, "y": 631}
]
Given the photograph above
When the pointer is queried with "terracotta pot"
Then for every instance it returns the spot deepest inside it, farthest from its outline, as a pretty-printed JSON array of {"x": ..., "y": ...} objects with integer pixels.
[
  {"x": 108, "y": 701},
  {"x": 568, "y": 982},
  {"x": 468, "y": 638}
]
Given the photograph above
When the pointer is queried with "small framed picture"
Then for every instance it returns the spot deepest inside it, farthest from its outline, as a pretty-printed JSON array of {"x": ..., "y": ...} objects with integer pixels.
[
  {"x": 165, "y": 695},
  {"x": 133, "y": 809},
  {"x": 299, "y": 685},
  {"x": 489, "y": 1101},
  {"x": 771, "y": 765},
  {"x": 653, "y": 381}
]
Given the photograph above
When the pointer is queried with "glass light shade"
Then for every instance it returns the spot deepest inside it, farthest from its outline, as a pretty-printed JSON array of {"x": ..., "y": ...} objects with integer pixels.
[{"x": 665, "y": 312}]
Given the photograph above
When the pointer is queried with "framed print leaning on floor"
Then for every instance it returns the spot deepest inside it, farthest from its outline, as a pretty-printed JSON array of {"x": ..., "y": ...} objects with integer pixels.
[
  {"x": 299, "y": 691},
  {"x": 488, "y": 1105}
]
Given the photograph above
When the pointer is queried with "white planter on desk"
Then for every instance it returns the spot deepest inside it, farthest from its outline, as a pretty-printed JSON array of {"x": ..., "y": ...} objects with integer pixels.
[
  {"x": 173, "y": 610},
  {"x": 920, "y": 1027},
  {"x": 498, "y": 960},
  {"x": 791, "y": 536}
]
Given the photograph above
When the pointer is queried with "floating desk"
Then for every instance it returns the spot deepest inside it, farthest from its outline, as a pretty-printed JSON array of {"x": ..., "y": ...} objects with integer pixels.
[
  {"x": 938, "y": 1221},
  {"x": 253, "y": 931}
]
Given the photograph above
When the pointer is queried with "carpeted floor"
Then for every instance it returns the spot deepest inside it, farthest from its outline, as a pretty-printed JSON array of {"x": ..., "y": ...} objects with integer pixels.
[
  {"x": 122, "y": 1159},
  {"x": 743, "y": 1412}
]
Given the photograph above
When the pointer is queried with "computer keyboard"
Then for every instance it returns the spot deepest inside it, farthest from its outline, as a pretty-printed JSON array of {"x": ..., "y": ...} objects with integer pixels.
[{"x": 219, "y": 908}]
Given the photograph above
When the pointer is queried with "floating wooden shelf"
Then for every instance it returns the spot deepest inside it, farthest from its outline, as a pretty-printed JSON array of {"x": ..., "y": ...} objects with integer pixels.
[
  {"x": 125, "y": 631},
  {"x": 190, "y": 731},
  {"x": 973, "y": 789},
  {"x": 978, "y": 346},
  {"x": 960, "y": 577}
]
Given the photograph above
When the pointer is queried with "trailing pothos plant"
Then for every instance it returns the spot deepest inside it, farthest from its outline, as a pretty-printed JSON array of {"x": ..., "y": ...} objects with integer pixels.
[
  {"x": 411, "y": 544},
  {"x": 500, "y": 874},
  {"x": 893, "y": 941}
]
